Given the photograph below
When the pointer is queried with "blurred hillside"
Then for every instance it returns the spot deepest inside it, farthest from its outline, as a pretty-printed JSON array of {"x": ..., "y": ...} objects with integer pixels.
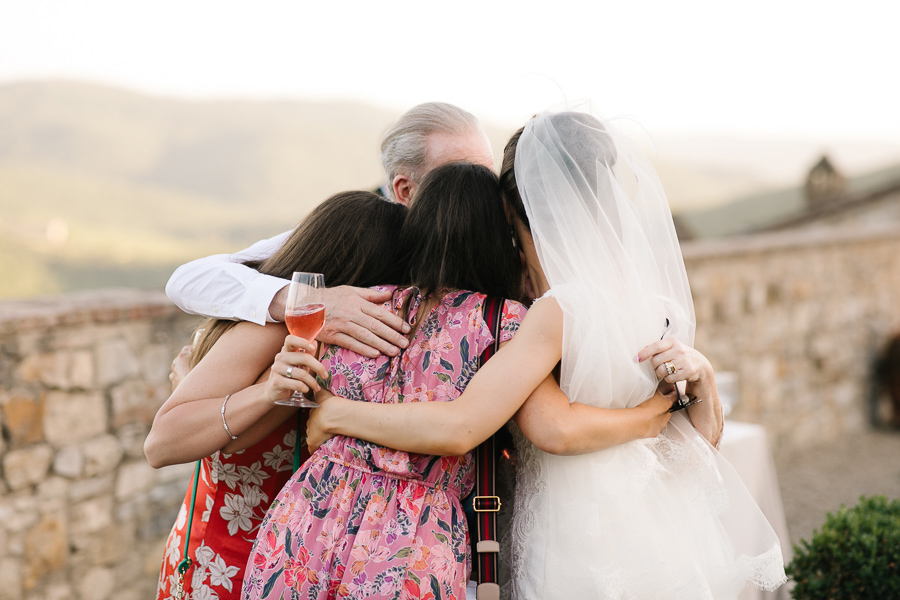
[{"x": 102, "y": 187}]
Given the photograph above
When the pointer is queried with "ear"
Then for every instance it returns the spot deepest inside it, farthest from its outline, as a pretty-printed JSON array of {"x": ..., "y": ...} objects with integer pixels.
[{"x": 403, "y": 188}]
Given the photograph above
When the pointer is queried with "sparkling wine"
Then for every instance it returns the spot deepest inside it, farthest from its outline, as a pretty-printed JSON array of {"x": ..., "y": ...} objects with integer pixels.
[{"x": 306, "y": 321}]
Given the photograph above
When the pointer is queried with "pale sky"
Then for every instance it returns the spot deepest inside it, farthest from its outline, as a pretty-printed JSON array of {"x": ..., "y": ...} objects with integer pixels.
[{"x": 816, "y": 68}]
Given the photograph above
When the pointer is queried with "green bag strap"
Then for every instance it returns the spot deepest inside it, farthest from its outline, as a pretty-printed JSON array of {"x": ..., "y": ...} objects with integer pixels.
[
  {"x": 298, "y": 443},
  {"x": 186, "y": 562}
]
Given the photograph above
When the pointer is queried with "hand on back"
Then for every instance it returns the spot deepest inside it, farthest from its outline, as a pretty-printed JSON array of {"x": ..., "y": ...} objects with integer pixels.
[
  {"x": 354, "y": 320},
  {"x": 656, "y": 409}
]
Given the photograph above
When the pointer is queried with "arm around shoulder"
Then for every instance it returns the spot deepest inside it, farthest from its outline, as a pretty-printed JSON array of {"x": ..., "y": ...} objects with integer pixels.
[
  {"x": 492, "y": 397},
  {"x": 556, "y": 426},
  {"x": 221, "y": 286}
]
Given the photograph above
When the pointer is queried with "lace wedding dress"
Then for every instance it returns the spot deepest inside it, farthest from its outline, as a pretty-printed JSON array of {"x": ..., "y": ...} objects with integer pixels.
[{"x": 664, "y": 518}]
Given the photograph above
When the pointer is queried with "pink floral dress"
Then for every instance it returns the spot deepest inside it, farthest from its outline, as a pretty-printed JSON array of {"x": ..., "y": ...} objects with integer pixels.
[{"x": 363, "y": 521}]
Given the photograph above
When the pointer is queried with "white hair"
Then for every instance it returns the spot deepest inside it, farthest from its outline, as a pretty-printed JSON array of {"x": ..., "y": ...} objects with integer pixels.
[{"x": 404, "y": 148}]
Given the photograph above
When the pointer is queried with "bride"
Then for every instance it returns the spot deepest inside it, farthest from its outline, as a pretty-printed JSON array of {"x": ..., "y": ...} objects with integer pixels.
[{"x": 664, "y": 517}]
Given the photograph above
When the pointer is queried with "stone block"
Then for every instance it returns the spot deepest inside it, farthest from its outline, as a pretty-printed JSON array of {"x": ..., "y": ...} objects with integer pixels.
[
  {"x": 60, "y": 370},
  {"x": 133, "y": 402},
  {"x": 69, "y": 462},
  {"x": 30, "y": 342},
  {"x": 181, "y": 475},
  {"x": 59, "y": 591},
  {"x": 28, "y": 466},
  {"x": 105, "y": 547},
  {"x": 73, "y": 337},
  {"x": 73, "y": 417},
  {"x": 24, "y": 415},
  {"x": 10, "y": 578},
  {"x": 15, "y": 544},
  {"x": 19, "y": 514},
  {"x": 46, "y": 550},
  {"x": 156, "y": 362},
  {"x": 101, "y": 455},
  {"x": 138, "y": 584},
  {"x": 96, "y": 584},
  {"x": 115, "y": 362},
  {"x": 91, "y": 516},
  {"x": 156, "y": 549},
  {"x": 32, "y": 366},
  {"x": 7, "y": 511},
  {"x": 83, "y": 489},
  {"x": 134, "y": 478},
  {"x": 131, "y": 437},
  {"x": 81, "y": 370},
  {"x": 53, "y": 489}
]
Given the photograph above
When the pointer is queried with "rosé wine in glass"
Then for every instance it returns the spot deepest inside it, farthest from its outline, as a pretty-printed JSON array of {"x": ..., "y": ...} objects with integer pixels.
[
  {"x": 304, "y": 315},
  {"x": 307, "y": 321}
]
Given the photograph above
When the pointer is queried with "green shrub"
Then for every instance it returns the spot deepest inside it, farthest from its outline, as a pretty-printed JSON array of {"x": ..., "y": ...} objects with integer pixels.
[{"x": 855, "y": 555}]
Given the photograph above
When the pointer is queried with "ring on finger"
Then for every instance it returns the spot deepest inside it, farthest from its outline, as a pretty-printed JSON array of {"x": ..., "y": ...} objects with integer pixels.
[
  {"x": 670, "y": 367},
  {"x": 288, "y": 373}
]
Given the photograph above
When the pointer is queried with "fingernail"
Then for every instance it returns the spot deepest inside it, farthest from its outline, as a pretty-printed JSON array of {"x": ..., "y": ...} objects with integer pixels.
[
  {"x": 637, "y": 358},
  {"x": 406, "y": 328},
  {"x": 404, "y": 343}
]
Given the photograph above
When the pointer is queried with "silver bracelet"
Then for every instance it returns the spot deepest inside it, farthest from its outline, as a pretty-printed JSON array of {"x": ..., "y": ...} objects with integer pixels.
[{"x": 228, "y": 431}]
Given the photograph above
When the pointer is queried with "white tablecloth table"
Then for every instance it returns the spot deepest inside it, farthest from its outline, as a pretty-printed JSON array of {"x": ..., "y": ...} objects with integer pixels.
[{"x": 746, "y": 447}]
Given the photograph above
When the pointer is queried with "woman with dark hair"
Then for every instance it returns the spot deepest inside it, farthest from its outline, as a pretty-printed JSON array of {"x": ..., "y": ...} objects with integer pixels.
[
  {"x": 360, "y": 520},
  {"x": 351, "y": 239},
  {"x": 638, "y": 513}
]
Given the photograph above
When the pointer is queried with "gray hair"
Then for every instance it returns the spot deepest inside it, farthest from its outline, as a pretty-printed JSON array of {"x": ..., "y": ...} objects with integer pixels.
[{"x": 404, "y": 148}]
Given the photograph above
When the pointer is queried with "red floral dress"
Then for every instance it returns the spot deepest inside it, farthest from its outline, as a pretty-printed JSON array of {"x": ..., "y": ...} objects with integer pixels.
[
  {"x": 363, "y": 521},
  {"x": 233, "y": 494}
]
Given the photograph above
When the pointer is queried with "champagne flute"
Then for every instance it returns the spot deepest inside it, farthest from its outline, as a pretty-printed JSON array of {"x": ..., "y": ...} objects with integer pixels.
[{"x": 304, "y": 315}]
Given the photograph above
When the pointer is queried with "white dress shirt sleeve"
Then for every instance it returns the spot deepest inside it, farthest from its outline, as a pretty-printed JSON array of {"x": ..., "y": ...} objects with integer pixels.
[{"x": 220, "y": 286}]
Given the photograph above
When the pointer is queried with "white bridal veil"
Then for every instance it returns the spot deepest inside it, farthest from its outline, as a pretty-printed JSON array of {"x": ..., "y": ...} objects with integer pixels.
[{"x": 663, "y": 518}]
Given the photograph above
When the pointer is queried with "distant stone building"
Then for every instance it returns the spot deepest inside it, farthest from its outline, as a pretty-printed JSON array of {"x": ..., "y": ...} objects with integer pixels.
[
  {"x": 830, "y": 203},
  {"x": 826, "y": 199},
  {"x": 824, "y": 184}
]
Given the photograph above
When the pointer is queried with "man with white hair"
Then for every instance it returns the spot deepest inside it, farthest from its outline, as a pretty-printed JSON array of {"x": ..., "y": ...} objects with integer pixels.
[{"x": 427, "y": 136}]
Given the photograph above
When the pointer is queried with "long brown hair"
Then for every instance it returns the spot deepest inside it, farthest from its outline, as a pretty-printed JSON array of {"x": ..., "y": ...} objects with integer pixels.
[
  {"x": 508, "y": 187},
  {"x": 456, "y": 235},
  {"x": 351, "y": 238}
]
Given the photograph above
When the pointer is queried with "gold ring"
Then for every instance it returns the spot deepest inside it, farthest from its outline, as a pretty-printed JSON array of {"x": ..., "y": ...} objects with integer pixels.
[
  {"x": 289, "y": 371},
  {"x": 670, "y": 368}
]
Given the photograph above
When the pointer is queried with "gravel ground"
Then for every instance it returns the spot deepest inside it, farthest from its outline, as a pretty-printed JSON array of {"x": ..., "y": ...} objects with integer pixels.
[{"x": 818, "y": 480}]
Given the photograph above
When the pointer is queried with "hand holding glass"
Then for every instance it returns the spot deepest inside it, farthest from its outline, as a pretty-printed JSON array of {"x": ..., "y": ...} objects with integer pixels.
[{"x": 304, "y": 315}]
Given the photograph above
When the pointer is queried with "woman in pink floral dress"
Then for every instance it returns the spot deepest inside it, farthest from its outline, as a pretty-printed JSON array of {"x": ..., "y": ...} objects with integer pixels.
[
  {"x": 360, "y": 520},
  {"x": 237, "y": 484}
]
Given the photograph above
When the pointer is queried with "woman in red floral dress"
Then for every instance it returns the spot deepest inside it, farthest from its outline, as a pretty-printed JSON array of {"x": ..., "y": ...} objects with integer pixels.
[{"x": 237, "y": 486}]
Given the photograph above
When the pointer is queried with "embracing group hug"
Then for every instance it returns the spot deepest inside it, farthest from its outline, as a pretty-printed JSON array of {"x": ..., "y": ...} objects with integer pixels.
[{"x": 616, "y": 496}]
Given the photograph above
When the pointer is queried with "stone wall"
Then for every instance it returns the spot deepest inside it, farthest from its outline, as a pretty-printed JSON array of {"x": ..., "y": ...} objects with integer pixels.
[
  {"x": 800, "y": 317},
  {"x": 82, "y": 514}
]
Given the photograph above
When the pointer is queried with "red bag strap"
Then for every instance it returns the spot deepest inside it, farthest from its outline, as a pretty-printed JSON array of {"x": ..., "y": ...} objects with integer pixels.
[{"x": 486, "y": 501}]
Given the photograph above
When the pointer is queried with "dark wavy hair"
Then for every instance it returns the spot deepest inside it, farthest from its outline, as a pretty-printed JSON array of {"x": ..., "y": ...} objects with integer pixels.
[
  {"x": 456, "y": 235},
  {"x": 351, "y": 238},
  {"x": 508, "y": 187}
]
